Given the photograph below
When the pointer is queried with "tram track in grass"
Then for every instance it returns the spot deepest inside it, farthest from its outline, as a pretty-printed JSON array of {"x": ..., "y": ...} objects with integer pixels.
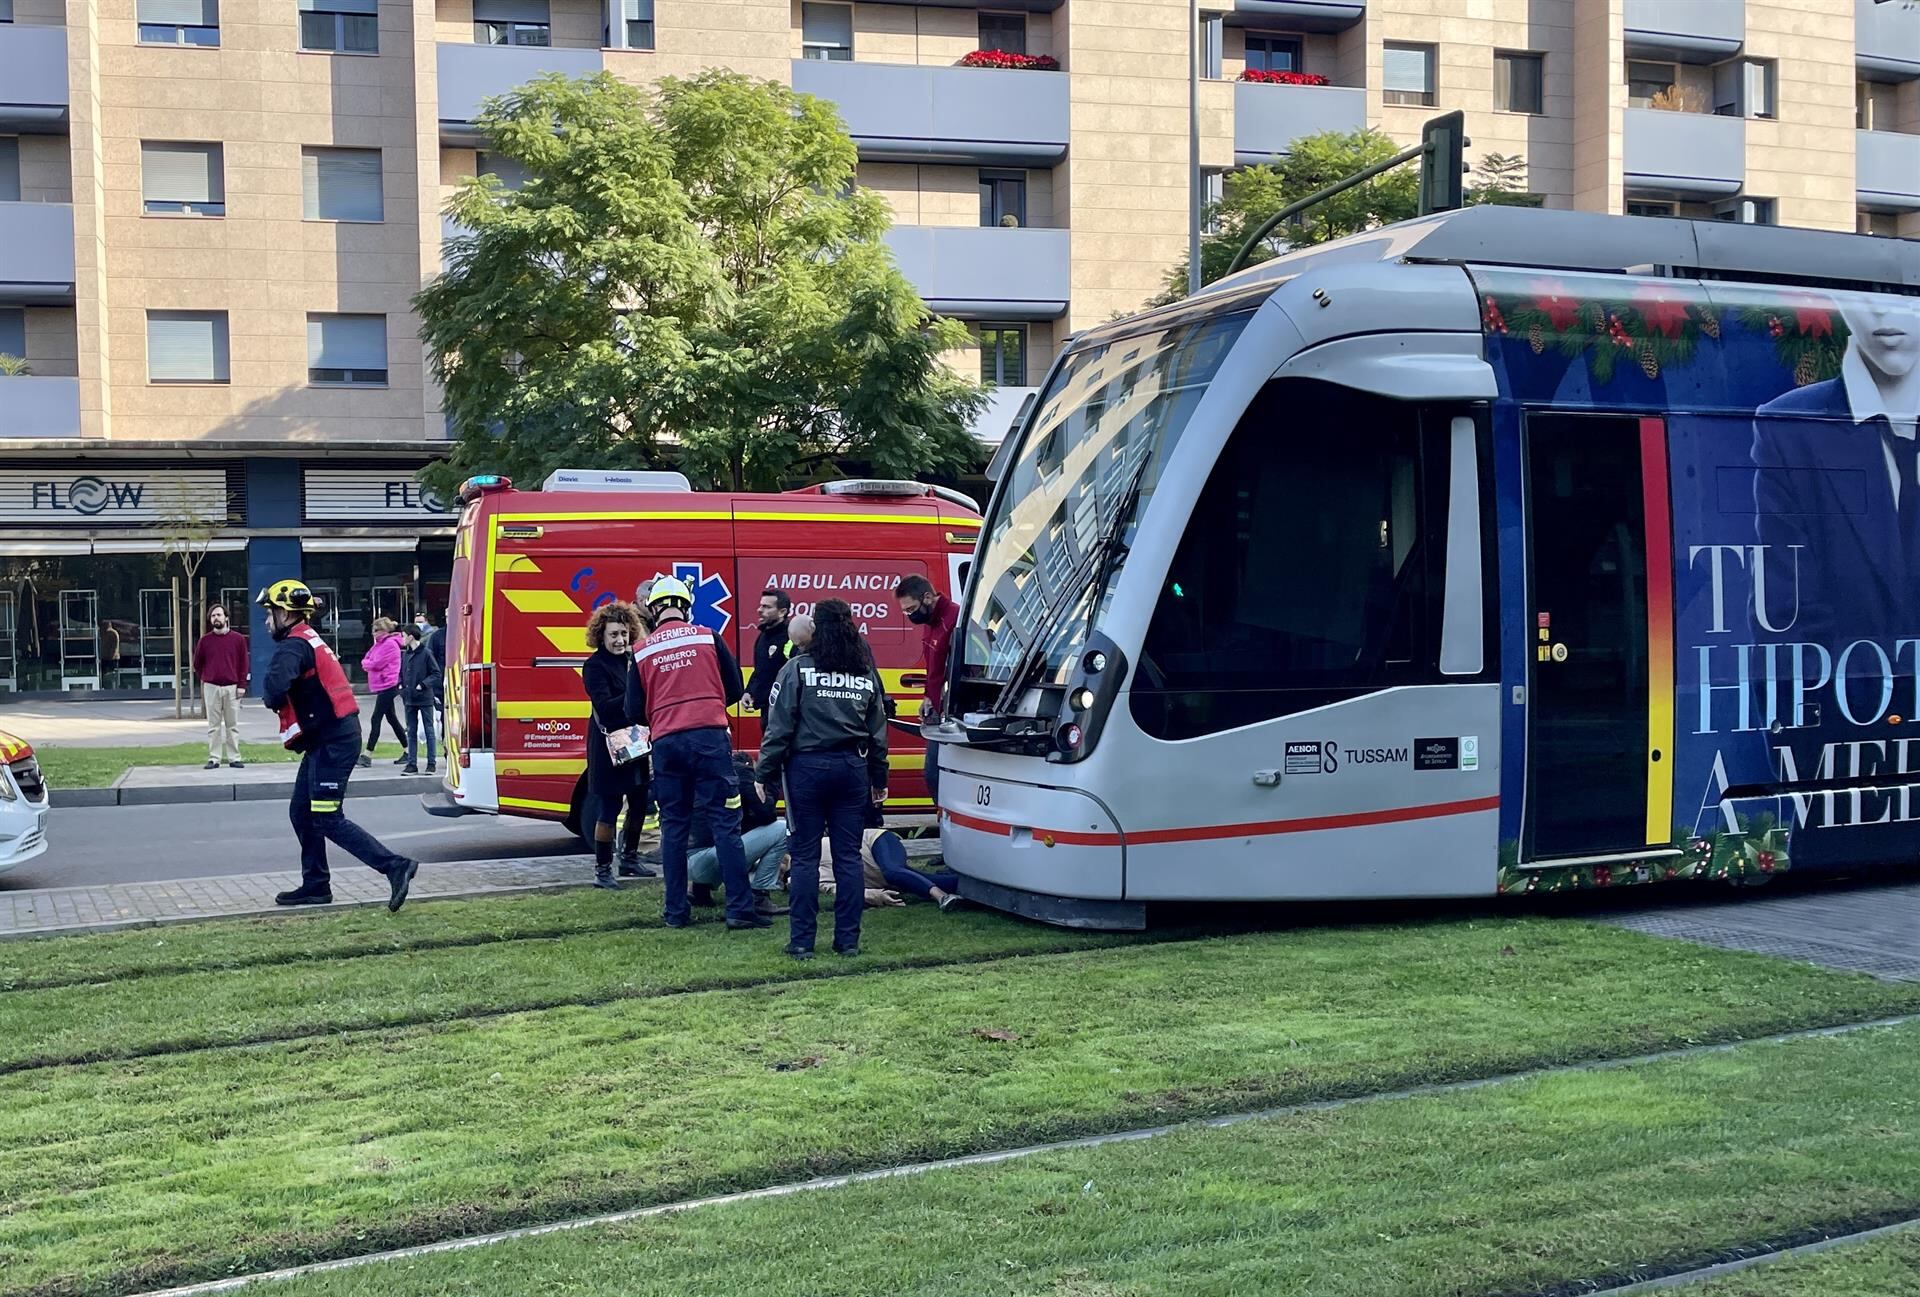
[
  {"x": 1527, "y": 1183},
  {"x": 1881, "y": 1261},
  {"x": 300, "y": 1151}
]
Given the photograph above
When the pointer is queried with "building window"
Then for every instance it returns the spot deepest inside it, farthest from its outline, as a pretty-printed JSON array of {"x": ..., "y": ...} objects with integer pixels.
[
  {"x": 187, "y": 347},
  {"x": 639, "y": 19},
  {"x": 347, "y": 350},
  {"x": 182, "y": 179},
  {"x": 1884, "y": 224},
  {"x": 1746, "y": 211},
  {"x": 1646, "y": 81},
  {"x": 1517, "y": 83},
  {"x": 1003, "y": 355},
  {"x": 340, "y": 26},
  {"x": 1004, "y": 32},
  {"x": 1213, "y": 42},
  {"x": 1407, "y": 74},
  {"x": 9, "y": 169},
  {"x": 1874, "y": 104},
  {"x": 13, "y": 331},
  {"x": 826, "y": 32},
  {"x": 1213, "y": 192},
  {"x": 341, "y": 185},
  {"x": 1652, "y": 209},
  {"x": 1744, "y": 88},
  {"x": 178, "y": 22},
  {"x": 1269, "y": 53},
  {"x": 512, "y": 22},
  {"x": 512, "y": 174},
  {"x": 1003, "y": 198},
  {"x": 6, "y": 11}
]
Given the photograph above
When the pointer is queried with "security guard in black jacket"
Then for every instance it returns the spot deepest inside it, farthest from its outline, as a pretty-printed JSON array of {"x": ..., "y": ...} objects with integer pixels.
[{"x": 826, "y": 744}]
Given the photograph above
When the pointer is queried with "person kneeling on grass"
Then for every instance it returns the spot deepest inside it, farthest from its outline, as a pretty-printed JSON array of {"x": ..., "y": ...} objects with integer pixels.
[
  {"x": 886, "y": 874},
  {"x": 763, "y": 836}
]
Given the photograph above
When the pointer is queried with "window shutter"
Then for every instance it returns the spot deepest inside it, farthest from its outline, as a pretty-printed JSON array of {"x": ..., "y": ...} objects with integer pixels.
[
  {"x": 340, "y": 6},
  {"x": 830, "y": 24},
  {"x": 187, "y": 346},
  {"x": 639, "y": 11},
  {"x": 9, "y": 168},
  {"x": 510, "y": 11},
  {"x": 356, "y": 342},
  {"x": 342, "y": 184},
  {"x": 180, "y": 13},
  {"x": 182, "y": 173}
]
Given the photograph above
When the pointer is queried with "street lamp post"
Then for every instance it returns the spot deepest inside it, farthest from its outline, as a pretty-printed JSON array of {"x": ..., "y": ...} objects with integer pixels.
[{"x": 1193, "y": 147}]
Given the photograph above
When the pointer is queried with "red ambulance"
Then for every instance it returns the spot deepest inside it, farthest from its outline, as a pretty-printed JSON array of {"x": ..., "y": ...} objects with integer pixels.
[{"x": 529, "y": 567}]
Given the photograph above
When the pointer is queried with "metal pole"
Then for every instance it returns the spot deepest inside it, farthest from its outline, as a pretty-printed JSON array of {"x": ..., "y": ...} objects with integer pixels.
[
  {"x": 1193, "y": 147},
  {"x": 1272, "y": 223}
]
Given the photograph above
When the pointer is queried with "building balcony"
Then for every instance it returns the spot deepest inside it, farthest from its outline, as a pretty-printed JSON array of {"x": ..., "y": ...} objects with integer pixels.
[
  {"x": 38, "y": 406},
  {"x": 1267, "y": 119},
  {"x": 33, "y": 79},
  {"x": 1887, "y": 171},
  {"x": 967, "y": 116},
  {"x": 990, "y": 272},
  {"x": 1684, "y": 155},
  {"x": 36, "y": 254},
  {"x": 1886, "y": 40},
  {"x": 1689, "y": 31},
  {"x": 995, "y": 421},
  {"x": 1297, "y": 15},
  {"x": 472, "y": 74}
]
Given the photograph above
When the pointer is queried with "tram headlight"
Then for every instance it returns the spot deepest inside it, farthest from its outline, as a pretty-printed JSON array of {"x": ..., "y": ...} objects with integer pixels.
[
  {"x": 1081, "y": 699},
  {"x": 1096, "y": 662},
  {"x": 1070, "y": 736}
]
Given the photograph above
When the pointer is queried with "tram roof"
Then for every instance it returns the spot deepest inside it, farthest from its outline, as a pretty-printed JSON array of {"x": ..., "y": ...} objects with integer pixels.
[{"x": 1657, "y": 246}]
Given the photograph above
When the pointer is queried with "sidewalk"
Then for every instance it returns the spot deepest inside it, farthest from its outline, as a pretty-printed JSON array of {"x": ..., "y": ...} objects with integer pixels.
[
  {"x": 132, "y": 723},
  {"x": 56, "y": 911},
  {"x": 265, "y": 782}
]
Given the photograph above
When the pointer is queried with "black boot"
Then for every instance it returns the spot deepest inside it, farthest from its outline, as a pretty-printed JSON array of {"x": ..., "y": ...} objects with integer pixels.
[
  {"x": 603, "y": 866},
  {"x": 399, "y": 883},
  {"x": 630, "y": 866},
  {"x": 702, "y": 894},
  {"x": 763, "y": 905},
  {"x": 301, "y": 896}
]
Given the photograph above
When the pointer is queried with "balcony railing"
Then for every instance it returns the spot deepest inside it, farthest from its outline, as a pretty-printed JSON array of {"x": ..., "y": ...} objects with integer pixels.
[
  {"x": 39, "y": 406},
  {"x": 33, "y": 79},
  {"x": 1692, "y": 31},
  {"x": 36, "y": 254},
  {"x": 985, "y": 272},
  {"x": 1684, "y": 155},
  {"x": 1267, "y": 119},
  {"x": 978, "y": 116},
  {"x": 1887, "y": 171},
  {"x": 472, "y": 74},
  {"x": 1886, "y": 39}
]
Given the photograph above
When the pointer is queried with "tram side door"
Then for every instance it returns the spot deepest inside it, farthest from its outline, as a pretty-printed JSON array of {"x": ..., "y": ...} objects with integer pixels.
[{"x": 1600, "y": 634}]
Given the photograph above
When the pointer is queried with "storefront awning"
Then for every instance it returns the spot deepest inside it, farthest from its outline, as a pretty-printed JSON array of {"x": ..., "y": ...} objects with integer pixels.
[
  {"x": 359, "y": 544},
  {"x": 43, "y": 548},
  {"x": 154, "y": 545}
]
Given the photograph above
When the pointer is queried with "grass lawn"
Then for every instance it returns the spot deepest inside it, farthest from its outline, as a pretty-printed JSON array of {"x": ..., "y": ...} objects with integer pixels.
[
  {"x": 192, "y": 1165},
  {"x": 99, "y": 767},
  {"x": 1885, "y": 1267},
  {"x": 1522, "y": 1188}
]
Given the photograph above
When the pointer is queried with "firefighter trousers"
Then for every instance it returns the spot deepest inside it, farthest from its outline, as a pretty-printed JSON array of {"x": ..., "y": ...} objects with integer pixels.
[
  {"x": 693, "y": 775},
  {"x": 319, "y": 794}
]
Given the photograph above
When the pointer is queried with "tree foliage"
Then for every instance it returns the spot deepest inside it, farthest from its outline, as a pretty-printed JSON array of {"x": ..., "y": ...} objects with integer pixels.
[
  {"x": 1253, "y": 194},
  {"x": 687, "y": 278}
]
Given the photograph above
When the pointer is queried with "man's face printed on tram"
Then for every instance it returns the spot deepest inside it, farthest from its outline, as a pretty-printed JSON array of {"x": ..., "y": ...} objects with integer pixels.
[{"x": 1885, "y": 331}]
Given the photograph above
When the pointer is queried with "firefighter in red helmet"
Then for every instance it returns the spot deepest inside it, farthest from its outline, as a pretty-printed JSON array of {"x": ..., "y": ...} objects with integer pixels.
[{"x": 319, "y": 719}]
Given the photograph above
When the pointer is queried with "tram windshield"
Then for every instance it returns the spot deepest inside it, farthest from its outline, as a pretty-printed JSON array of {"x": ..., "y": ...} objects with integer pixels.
[{"x": 1112, "y": 414}]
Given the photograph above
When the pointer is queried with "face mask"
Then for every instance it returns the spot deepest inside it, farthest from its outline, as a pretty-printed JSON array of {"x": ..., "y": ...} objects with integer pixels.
[{"x": 920, "y": 616}]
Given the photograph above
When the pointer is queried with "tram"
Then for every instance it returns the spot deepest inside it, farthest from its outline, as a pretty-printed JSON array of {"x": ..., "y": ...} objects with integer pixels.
[{"x": 1495, "y": 552}]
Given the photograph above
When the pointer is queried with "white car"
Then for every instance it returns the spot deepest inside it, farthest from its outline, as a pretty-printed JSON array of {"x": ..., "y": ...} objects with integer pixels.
[{"x": 23, "y": 803}]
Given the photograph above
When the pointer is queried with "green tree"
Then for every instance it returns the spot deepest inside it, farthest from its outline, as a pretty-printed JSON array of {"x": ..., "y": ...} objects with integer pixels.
[
  {"x": 1252, "y": 195},
  {"x": 1500, "y": 180},
  {"x": 689, "y": 278}
]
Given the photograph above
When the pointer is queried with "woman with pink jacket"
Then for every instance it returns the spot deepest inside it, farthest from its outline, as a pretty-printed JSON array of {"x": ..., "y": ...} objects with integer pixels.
[{"x": 382, "y": 665}]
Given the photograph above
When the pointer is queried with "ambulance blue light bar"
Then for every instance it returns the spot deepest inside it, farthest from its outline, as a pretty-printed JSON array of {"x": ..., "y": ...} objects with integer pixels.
[{"x": 475, "y": 487}]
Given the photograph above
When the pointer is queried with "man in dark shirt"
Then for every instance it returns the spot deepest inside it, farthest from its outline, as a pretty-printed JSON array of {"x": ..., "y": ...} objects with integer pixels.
[
  {"x": 936, "y": 615},
  {"x": 771, "y": 650}
]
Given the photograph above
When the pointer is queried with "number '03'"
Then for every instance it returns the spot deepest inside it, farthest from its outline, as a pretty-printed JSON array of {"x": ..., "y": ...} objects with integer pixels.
[{"x": 983, "y": 795}]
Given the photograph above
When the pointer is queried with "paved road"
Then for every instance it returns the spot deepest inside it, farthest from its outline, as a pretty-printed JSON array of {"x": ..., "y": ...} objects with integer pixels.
[{"x": 149, "y": 843}]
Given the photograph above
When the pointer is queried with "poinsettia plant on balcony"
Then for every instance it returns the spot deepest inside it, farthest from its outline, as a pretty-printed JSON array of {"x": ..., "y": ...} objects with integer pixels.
[
  {"x": 1285, "y": 78},
  {"x": 1008, "y": 59}
]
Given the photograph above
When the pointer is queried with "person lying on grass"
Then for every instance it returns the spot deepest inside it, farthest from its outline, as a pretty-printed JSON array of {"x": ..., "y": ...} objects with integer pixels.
[{"x": 883, "y": 860}]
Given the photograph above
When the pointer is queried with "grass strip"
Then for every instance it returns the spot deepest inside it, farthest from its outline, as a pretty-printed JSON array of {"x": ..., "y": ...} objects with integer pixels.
[
  {"x": 171, "y": 1014},
  {"x": 1882, "y": 1267},
  {"x": 99, "y": 767},
  {"x": 1530, "y": 1187},
  {"x": 134, "y": 1174},
  {"x": 309, "y": 936}
]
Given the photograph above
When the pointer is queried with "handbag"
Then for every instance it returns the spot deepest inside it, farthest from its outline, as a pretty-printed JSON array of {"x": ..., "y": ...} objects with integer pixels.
[{"x": 627, "y": 745}]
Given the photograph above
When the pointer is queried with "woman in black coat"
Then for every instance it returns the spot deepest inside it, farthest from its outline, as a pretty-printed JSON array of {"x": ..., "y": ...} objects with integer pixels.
[{"x": 611, "y": 635}]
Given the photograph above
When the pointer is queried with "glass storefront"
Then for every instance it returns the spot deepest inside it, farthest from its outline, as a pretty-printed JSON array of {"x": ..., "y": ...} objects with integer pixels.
[
  {"x": 102, "y": 621},
  {"x": 355, "y": 588}
]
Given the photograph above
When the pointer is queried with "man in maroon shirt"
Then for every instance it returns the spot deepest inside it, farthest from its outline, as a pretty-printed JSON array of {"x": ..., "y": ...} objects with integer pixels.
[
  {"x": 220, "y": 661},
  {"x": 936, "y": 615}
]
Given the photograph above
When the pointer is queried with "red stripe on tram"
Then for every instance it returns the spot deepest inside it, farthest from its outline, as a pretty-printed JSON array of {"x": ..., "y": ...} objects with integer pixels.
[{"x": 1210, "y": 832}]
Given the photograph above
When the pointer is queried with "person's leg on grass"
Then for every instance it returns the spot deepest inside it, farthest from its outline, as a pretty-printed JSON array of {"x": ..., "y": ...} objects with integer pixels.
[
  {"x": 673, "y": 791},
  {"x": 807, "y": 818},
  {"x": 846, "y": 818}
]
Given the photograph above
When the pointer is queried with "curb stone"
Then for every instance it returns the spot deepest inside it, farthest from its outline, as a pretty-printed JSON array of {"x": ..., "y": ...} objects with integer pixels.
[{"x": 190, "y": 794}]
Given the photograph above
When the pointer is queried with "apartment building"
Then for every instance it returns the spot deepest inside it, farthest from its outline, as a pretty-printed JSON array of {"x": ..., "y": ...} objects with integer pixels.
[{"x": 213, "y": 214}]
